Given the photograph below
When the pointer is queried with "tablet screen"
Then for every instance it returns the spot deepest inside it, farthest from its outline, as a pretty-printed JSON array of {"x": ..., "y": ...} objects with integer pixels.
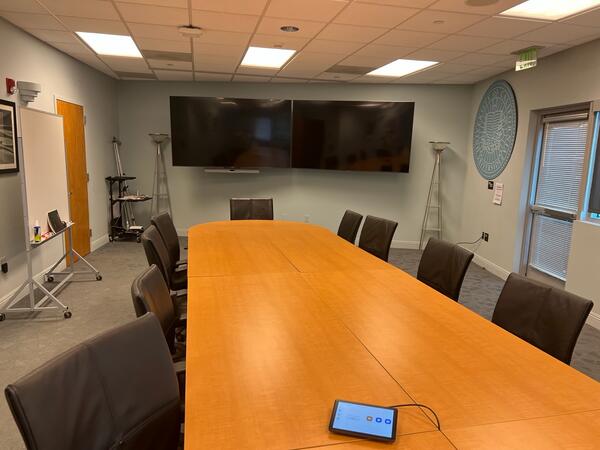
[{"x": 368, "y": 421}]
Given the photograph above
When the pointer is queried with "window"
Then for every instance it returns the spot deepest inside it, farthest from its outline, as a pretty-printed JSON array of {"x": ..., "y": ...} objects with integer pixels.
[{"x": 594, "y": 193}]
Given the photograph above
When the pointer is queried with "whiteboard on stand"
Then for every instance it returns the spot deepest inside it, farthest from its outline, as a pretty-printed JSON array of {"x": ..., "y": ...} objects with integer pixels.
[{"x": 45, "y": 167}]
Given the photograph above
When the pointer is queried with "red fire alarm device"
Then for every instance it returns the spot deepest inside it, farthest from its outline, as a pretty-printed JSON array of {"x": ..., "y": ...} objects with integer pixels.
[{"x": 11, "y": 86}]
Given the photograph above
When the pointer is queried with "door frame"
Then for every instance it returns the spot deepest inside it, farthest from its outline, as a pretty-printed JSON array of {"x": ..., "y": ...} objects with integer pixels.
[
  {"x": 77, "y": 102},
  {"x": 537, "y": 145}
]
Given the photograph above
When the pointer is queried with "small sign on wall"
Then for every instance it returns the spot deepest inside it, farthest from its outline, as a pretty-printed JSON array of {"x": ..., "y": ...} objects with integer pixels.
[{"x": 498, "y": 193}]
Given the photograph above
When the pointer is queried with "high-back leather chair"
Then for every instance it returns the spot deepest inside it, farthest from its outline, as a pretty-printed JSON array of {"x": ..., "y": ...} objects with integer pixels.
[
  {"x": 251, "y": 208},
  {"x": 150, "y": 293},
  {"x": 376, "y": 236},
  {"x": 165, "y": 226},
  {"x": 117, "y": 390},
  {"x": 157, "y": 253},
  {"x": 547, "y": 317},
  {"x": 443, "y": 267},
  {"x": 349, "y": 226}
]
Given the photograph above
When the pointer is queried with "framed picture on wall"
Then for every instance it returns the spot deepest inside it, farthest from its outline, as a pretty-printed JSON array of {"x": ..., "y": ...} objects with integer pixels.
[{"x": 9, "y": 156}]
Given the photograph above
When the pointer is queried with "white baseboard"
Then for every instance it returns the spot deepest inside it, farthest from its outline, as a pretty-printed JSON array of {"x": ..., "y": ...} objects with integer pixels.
[
  {"x": 491, "y": 267},
  {"x": 97, "y": 243},
  {"x": 412, "y": 245},
  {"x": 594, "y": 320},
  {"x": 39, "y": 277}
]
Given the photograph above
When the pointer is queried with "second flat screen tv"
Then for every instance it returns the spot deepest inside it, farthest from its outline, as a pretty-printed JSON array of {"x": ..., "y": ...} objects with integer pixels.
[
  {"x": 230, "y": 132},
  {"x": 352, "y": 135}
]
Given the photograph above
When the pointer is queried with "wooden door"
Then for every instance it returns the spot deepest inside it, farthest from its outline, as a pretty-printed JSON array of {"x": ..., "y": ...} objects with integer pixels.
[{"x": 77, "y": 176}]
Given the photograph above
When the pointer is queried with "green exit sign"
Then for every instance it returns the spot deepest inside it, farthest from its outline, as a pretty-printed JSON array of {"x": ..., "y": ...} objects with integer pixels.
[{"x": 527, "y": 59}]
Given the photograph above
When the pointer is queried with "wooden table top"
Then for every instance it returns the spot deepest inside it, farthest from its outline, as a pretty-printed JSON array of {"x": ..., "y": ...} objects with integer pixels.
[{"x": 284, "y": 318}]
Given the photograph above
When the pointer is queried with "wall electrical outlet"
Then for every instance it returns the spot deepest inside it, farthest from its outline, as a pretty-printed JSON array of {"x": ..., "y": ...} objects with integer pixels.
[
  {"x": 485, "y": 236},
  {"x": 306, "y": 218},
  {"x": 4, "y": 264}
]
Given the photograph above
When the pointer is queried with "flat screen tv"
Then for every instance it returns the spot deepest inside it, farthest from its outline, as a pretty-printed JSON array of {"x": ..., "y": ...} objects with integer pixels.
[
  {"x": 352, "y": 135},
  {"x": 230, "y": 132}
]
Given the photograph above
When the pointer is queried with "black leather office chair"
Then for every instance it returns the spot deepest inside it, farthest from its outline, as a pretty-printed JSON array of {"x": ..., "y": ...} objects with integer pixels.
[
  {"x": 349, "y": 226},
  {"x": 165, "y": 226},
  {"x": 443, "y": 267},
  {"x": 251, "y": 208},
  {"x": 157, "y": 253},
  {"x": 150, "y": 293},
  {"x": 376, "y": 236},
  {"x": 547, "y": 317},
  {"x": 116, "y": 390}
]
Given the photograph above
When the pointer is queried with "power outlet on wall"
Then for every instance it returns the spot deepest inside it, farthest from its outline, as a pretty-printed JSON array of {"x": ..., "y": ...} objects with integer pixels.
[
  {"x": 306, "y": 218},
  {"x": 485, "y": 236},
  {"x": 3, "y": 264}
]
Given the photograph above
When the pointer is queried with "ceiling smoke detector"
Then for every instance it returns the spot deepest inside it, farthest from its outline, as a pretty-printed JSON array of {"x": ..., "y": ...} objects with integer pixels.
[
  {"x": 289, "y": 29},
  {"x": 190, "y": 31}
]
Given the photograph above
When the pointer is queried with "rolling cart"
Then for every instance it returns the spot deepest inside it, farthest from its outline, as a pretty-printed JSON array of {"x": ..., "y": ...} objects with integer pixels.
[{"x": 122, "y": 225}]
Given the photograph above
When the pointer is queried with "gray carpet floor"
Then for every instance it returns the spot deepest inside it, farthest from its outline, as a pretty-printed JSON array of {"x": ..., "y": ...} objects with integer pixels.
[{"x": 27, "y": 342}]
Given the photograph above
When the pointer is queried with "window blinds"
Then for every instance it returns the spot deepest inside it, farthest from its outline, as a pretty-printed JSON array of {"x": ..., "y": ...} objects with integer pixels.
[{"x": 594, "y": 205}]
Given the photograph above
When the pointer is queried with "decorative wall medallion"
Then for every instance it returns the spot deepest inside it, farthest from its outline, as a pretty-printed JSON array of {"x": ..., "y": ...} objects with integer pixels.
[{"x": 495, "y": 130}]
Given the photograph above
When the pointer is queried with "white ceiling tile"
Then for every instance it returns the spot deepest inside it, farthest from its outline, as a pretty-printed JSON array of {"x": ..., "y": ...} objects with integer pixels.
[
  {"x": 287, "y": 80},
  {"x": 336, "y": 76},
  {"x": 281, "y": 41},
  {"x": 316, "y": 10},
  {"x": 74, "y": 49},
  {"x": 250, "y": 79},
  {"x": 215, "y": 63},
  {"x": 170, "y": 3},
  {"x": 587, "y": 19},
  {"x": 223, "y": 37},
  {"x": 26, "y": 6},
  {"x": 409, "y": 3},
  {"x": 95, "y": 9},
  {"x": 385, "y": 51},
  {"x": 509, "y": 46},
  {"x": 263, "y": 71},
  {"x": 121, "y": 64},
  {"x": 270, "y": 25},
  {"x": 94, "y": 25},
  {"x": 462, "y": 6},
  {"x": 405, "y": 38},
  {"x": 551, "y": 50},
  {"x": 143, "y": 30},
  {"x": 170, "y": 65},
  {"x": 96, "y": 63},
  {"x": 467, "y": 78},
  {"x": 502, "y": 27},
  {"x": 38, "y": 21},
  {"x": 174, "y": 75},
  {"x": 252, "y": 7},
  {"x": 454, "y": 68},
  {"x": 559, "y": 33},
  {"x": 307, "y": 65},
  {"x": 464, "y": 43},
  {"x": 487, "y": 72},
  {"x": 234, "y": 51},
  {"x": 210, "y": 20},
  {"x": 451, "y": 22},
  {"x": 207, "y": 76},
  {"x": 584, "y": 39},
  {"x": 369, "y": 79},
  {"x": 156, "y": 15},
  {"x": 431, "y": 54},
  {"x": 182, "y": 46},
  {"x": 364, "y": 14},
  {"x": 350, "y": 33},
  {"x": 367, "y": 61},
  {"x": 54, "y": 36},
  {"x": 335, "y": 47},
  {"x": 480, "y": 59},
  {"x": 424, "y": 77}
]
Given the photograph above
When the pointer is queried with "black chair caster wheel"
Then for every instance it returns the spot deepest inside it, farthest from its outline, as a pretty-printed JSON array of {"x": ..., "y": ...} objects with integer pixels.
[
  {"x": 138, "y": 239},
  {"x": 2, "y": 317},
  {"x": 50, "y": 279},
  {"x": 68, "y": 314},
  {"x": 99, "y": 277}
]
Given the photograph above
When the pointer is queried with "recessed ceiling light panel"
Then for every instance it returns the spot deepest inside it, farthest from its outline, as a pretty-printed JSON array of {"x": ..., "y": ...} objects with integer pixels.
[
  {"x": 550, "y": 9},
  {"x": 402, "y": 67},
  {"x": 111, "y": 44},
  {"x": 272, "y": 58}
]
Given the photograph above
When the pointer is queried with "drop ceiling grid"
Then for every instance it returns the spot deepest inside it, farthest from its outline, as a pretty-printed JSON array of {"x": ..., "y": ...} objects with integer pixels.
[{"x": 473, "y": 42}]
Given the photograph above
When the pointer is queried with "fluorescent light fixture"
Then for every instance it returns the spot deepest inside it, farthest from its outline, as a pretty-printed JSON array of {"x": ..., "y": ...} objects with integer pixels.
[
  {"x": 402, "y": 67},
  {"x": 111, "y": 44},
  {"x": 550, "y": 9},
  {"x": 272, "y": 58}
]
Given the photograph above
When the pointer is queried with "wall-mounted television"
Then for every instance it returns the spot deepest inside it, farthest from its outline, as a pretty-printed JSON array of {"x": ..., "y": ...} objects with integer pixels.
[
  {"x": 352, "y": 135},
  {"x": 230, "y": 132}
]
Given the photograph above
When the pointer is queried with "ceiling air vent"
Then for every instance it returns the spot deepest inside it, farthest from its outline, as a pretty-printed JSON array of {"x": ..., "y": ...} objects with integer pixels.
[{"x": 167, "y": 56}]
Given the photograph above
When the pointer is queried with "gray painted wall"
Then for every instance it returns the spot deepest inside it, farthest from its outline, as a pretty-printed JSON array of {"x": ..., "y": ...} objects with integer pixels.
[
  {"x": 26, "y": 58},
  {"x": 441, "y": 113}
]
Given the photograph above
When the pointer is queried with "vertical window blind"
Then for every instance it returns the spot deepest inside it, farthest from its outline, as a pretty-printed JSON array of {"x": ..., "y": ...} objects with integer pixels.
[{"x": 561, "y": 168}]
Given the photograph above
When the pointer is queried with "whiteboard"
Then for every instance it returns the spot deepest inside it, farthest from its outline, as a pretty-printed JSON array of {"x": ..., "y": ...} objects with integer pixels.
[{"x": 45, "y": 166}]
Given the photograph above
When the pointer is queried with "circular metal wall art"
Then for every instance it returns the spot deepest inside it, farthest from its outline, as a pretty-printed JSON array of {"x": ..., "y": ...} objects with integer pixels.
[{"x": 495, "y": 130}]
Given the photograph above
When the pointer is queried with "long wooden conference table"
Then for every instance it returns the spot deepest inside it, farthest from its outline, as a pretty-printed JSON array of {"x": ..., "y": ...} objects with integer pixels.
[{"x": 284, "y": 318}]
